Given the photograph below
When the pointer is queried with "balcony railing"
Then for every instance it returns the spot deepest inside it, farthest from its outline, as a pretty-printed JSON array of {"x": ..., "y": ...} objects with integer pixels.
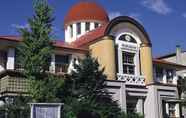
[
  {"x": 13, "y": 86},
  {"x": 131, "y": 79},
  {"x": 61, "y": 68}
]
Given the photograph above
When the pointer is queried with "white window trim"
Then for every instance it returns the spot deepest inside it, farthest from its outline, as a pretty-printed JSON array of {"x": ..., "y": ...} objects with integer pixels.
[{"x": 135, "y": 51}]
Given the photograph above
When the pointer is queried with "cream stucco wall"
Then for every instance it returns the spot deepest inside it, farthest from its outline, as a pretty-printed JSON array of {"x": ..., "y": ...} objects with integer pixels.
[
  {"x": 146, "y": 63},
  {"x": 104, "y": 51}
]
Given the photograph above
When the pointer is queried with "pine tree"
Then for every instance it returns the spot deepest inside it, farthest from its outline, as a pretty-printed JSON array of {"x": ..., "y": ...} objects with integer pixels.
[
  {"x": 87, "y": 93},
  {"x": 35, "y": 51}
]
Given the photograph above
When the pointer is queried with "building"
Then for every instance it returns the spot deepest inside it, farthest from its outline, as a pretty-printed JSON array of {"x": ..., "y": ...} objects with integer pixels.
[
  {"x": 178, "y": 57},
  {"x": 122, "y": 46}
]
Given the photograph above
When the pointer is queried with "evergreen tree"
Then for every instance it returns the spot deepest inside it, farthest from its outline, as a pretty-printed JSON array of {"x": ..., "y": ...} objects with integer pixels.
[
  {"x": 86, "y": 91},
  {"x": 35, "y": 51}
]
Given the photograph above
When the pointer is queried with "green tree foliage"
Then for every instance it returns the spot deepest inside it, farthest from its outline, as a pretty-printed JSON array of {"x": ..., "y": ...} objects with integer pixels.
[
  {"x": 17, "y": 109},
  {"x": 34, "y": 55},
  {"x": 35, "y": 51},
  {"x": 86, "y": 93},
  {"x": 47, "y": 90}
]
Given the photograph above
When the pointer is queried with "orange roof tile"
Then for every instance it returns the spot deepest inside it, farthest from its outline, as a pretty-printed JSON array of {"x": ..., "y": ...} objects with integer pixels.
[
  {"x": 56, "y": 43},
  {"x": 86, "y": 10},
  {"x": 91, "y": 36}
]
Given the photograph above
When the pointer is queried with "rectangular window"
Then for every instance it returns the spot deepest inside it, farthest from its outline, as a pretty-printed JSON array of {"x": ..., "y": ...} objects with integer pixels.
[
  {"x": 159, "y": 74},
  {"x": 87, "y": 26},
  {"x": 71, "y": 31},
  {"x": 96, "y": 25},
  {"x": 78, "y": 28},
  {"x": 128, "y": 63},
  {"x": 61, "y": 63}
]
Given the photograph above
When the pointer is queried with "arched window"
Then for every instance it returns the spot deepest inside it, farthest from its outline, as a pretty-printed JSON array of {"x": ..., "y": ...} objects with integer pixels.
[
  {"x": 127, "y": 38},
  {"x": 128, "y": 54}
]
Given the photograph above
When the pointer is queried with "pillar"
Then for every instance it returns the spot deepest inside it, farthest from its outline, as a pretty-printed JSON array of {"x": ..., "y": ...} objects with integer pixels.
[
  {"x": 104, "y": 51},
  {"x": 177, "y": 107},
  {"x": 52, "y": 64},
  {"x": 74, "y": 26},
  {"x": 92, "y": 26},
  {"x": 139, "y": 106},
  {"x": 164, "y": 76},
  {"x": 83, "y": 28},
  {"x": 146, "y": 63},
  {"x": 151, "y": 104},
  {"x": 123, "y": 99},
  {"x": 175, "y": 77},
  {"x": 10, "y": 58},
  {"x": 167, "y": 108}
]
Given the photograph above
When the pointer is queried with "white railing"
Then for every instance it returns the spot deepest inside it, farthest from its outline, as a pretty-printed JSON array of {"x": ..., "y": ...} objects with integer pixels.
[{"x": 131, "y": 79}]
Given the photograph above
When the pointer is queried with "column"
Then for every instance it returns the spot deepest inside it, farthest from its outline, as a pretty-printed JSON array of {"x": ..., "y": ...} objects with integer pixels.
[
  {"x": 82, "y": 28},
  {"x": 52, "y": 64},
  {"x": 139, "y": 106},
  {"x": 123, "y": 97},
  {"x": 67, "y": 34},
  {"x": 10, "y": 58},
  {"x": 164, "y": 76},
  {"x": 167, "y": 108},
  {"x": 137, "y": 63},
  {"x": 59, "y": 112},
  {"x": 177, "y": 108},
  {"x": 175, "y": 78},
  {"x": 120, "y": 63},
  {"x": 74, "y": 31},
  {"x": 92, "y": 26},
  {"x": 32, "y": 111}
]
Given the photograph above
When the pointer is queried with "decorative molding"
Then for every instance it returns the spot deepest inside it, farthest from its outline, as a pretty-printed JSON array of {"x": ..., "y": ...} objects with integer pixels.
[{"x": 132, "y": 79}]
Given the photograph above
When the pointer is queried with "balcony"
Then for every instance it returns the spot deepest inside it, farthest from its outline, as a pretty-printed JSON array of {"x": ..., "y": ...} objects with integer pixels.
[
  {"x": 132, "y": 79},
  {"x": 11, "y": 86},
  {"x": 61, "y": 68}
]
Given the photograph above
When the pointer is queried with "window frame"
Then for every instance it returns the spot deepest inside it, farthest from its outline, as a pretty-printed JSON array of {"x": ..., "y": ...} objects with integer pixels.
[
  {"x": 78, "y": 28},
  {"x": 159, "y": 75},
  {"x": 96, "y": 25},
  {"x": 87, "y": 26},
  {"x": 128, "y": 67},
  {"x": 71, "y": 31}
]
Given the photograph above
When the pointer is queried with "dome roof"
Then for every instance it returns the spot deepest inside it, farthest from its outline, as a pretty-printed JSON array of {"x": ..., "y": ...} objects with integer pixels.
[{"x": 86, "y": 11}]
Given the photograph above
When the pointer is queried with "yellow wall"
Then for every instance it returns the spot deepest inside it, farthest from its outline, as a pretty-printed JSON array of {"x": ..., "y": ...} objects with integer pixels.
[
  {"x": 104, "y": 51},
  {"x": 146, "y": 63}
]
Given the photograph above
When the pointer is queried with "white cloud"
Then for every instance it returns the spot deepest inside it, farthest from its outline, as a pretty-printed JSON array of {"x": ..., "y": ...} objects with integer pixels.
[
  {"x": 17, "y": 26},
  {"x": 113, "y": 15},
  {"x": 158, "y": 6},
  {"x": 184, "y": 15}
]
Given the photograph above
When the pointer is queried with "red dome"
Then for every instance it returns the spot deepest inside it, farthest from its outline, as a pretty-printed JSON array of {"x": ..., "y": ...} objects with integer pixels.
[{"x": 86, "y": 11}]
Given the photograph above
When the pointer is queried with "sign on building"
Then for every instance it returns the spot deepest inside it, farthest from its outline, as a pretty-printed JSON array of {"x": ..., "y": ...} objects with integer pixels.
[{"x": 46, "y": 110}]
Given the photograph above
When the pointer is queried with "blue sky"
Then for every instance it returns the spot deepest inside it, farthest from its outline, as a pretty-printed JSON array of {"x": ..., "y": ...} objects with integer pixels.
[{"x": 164, "y": 20}]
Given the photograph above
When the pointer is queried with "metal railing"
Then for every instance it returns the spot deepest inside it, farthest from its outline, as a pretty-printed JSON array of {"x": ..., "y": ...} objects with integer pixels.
[
  {"x": 61, "y": 68},
  {"x": 13, "y": 85}
]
